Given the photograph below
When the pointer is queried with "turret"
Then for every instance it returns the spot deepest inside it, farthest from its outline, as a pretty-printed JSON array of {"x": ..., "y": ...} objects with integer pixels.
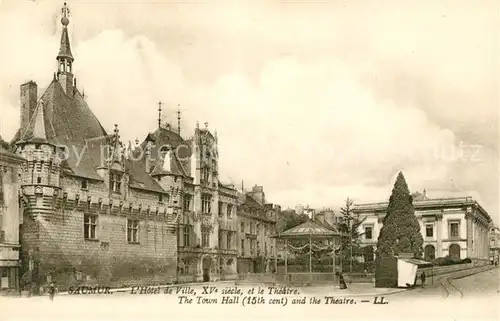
[{"x": 41, "y": 172}]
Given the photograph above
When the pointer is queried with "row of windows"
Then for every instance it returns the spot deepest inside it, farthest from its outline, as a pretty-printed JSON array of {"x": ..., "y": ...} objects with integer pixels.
[
  {"x": 229, "y": 210},
  {"x": 90, "y": 229},
  {"x": 253, "y": 228},
  {"x": 454, "y": 230},
  {"x": 229, "y": 240},
  {"x": 254, "y": 245}
]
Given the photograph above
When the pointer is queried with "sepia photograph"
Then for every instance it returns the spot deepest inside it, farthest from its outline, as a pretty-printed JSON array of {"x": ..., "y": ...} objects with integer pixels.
[{"x": 239, "y": 159}]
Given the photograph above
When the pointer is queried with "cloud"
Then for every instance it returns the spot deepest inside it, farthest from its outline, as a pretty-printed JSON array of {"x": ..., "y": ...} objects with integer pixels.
[{"x": 315, "y": 109}]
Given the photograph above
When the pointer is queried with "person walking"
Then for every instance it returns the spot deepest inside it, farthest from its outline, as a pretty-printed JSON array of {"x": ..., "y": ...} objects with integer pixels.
[
  {"x": 422, "y": 278},
  {"x": 342, "y": 284},
  {"x": 52, "y": 291}
]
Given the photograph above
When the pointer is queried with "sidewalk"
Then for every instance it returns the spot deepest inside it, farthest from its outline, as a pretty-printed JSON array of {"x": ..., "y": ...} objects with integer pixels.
[{"x": 353, "y": 290}]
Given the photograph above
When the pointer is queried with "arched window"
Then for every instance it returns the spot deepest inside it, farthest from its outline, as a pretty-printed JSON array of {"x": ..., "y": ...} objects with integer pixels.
[
  {"x": 429, "y": 252},
  {"x": 454, "y": 251}
]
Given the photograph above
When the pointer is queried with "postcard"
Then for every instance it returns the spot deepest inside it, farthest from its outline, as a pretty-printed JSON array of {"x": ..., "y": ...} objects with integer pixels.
[{"x": 243, "y": 160}]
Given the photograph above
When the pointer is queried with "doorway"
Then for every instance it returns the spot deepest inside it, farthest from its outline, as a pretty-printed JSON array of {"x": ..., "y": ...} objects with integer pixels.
[{"x": 207, "y": 265}]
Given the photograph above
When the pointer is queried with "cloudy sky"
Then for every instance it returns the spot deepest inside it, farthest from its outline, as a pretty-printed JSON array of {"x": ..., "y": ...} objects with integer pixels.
[{"x": 316, "y": 101}]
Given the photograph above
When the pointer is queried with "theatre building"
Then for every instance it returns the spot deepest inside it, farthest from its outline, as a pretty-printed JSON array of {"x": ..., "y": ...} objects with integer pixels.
[{"x": 451, "y": 227}]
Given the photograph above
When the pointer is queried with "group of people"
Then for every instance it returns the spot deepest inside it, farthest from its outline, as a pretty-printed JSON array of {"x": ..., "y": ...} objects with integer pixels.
[{"x": 422, "y": 279}]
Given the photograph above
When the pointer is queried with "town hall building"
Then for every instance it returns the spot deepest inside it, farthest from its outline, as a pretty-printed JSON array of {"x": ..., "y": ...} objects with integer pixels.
[{"x": 95, "y": 210}]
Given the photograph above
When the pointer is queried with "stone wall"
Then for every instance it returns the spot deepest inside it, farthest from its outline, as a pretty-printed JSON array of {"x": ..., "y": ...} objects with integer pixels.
[{"x": 59, "y": 251}]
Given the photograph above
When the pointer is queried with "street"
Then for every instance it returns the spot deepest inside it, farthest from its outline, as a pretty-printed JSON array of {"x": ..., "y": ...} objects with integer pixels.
[
  {"x": 484, "y": 284},
  {"x": 441, "y": 301}
]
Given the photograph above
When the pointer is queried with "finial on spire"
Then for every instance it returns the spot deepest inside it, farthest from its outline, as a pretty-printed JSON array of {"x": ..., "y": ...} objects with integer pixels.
[
  {"x": 116, "y": 130},
  {"x": 197, "y": 125},
  {"x": 179, "y": 119},
  {"x": 65, "y": 14},
  {"x": 65, "y": 57},
  {"x": 159, "y": 113}
]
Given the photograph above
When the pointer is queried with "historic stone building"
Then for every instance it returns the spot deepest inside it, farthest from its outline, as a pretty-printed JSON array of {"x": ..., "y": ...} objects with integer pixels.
[
  {"x": 453, "y": 227},
  {"x": 494, "y": 239},
  {"x": 10, "y": 219},
  {"x": 96, "y": 211},
  {"x": 257, "y": 222}
]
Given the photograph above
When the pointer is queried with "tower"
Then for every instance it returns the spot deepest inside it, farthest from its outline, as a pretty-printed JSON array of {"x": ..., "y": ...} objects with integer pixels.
[
  {"x": 65, "y": 58},
  {"x": 40, "y": 173}
]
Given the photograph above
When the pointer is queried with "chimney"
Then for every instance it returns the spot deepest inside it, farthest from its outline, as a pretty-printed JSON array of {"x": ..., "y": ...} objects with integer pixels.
[
  {"x": 258, "y": 194},
  {"x": 29, "y": 92},
  {"x": 425, "y": 192}
]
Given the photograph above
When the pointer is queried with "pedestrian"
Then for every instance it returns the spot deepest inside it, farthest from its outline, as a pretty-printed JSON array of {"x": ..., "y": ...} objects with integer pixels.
[
  {"x": 342, "y": 284},
  {"x": 422, "y": 278},
  {"x": 52, "y": 290}
]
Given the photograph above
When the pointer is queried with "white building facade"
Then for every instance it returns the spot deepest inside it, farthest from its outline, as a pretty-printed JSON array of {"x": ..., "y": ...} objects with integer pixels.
[{"x": 451, "y": 227}]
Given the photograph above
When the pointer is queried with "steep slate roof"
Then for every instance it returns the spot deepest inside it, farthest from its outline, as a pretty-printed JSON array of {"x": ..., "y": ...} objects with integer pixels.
[
  {"x": 180, "y": 158},
  {"x": 4, "y": 151},
  {"x": 68, "y": 119},
  {"x": 249, "y": 200},
  {"x": 168, "y": 165}
]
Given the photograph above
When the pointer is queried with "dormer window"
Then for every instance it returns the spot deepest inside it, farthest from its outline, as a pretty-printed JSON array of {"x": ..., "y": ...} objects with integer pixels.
[{"x": 115, "y": 182}]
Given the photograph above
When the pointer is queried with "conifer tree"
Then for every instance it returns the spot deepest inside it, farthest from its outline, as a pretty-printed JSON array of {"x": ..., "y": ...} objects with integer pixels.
[
  {"x": 400, "y": 231},
  {"x": 351, "y": 240}
]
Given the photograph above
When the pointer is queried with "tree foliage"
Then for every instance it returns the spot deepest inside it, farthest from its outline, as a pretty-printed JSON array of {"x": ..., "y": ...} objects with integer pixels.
[
  {"x": 349, "y": 227},
  {"x": 400, "y": 232}
]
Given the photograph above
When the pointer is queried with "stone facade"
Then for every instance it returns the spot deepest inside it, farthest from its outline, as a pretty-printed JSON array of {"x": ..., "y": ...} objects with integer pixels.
[
  {"x": 257, "y": 252},
  {"x": 9, "y": 220},
  {"x": 453, "y": 227},
  {"x": 94, "y": 211},
  {"x": 494, "y": 239}
]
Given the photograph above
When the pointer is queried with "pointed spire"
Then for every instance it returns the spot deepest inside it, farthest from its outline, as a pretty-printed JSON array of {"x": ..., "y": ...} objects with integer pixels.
[
  {"x": 36, "y": 129},
  {"x": 39, "y": 124},
  {"x": 179, "y": 119},
  {"x": 159, "y": 113},
  {"x": 117, "y": 152},
  {"x": 65, "y": 47}
]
